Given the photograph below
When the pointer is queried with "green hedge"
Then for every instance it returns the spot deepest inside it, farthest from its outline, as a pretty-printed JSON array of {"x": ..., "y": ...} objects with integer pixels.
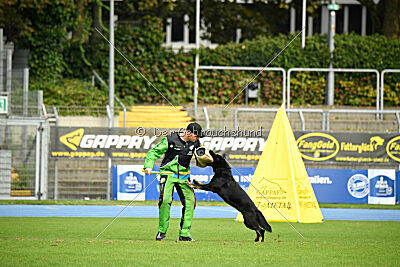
[
  {"x": 172, "y": 73},
  {"x": 352, "y": 51},
  {"x": 367, "y": 52},
  {"x": 263, "y": 50},
  {"x": 70, "y": 92}
]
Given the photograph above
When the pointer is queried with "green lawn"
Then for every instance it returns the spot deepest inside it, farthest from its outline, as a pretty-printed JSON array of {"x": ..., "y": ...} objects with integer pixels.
[
  {"x": 220, "y": 242},
  {"x": 154, "y": 203}
]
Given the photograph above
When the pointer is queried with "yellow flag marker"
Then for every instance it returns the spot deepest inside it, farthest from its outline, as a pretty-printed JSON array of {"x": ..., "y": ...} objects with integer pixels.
[{"x": 280, "y": 181}]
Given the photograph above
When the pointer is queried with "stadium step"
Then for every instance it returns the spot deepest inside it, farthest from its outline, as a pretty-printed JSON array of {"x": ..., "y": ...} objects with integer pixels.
[
  {"x": 155, "y": 116},
  {"x": 18, "y": 187},
  {"x": 79, "y": 179},
  {"x": 220, "y": 118}
]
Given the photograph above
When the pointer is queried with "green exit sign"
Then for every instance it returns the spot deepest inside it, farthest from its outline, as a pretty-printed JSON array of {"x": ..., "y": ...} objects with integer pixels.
[
  {"x": 333, "y": 7},
  {"x": 3, "y": 105}
]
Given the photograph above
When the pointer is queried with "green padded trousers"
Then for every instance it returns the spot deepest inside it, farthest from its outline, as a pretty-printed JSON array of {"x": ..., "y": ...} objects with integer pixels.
[{"x": 186, "y": 194}]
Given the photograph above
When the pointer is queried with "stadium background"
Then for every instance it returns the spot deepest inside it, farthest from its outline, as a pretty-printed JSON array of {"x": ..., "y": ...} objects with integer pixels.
[{"x": 49, "y": 86}]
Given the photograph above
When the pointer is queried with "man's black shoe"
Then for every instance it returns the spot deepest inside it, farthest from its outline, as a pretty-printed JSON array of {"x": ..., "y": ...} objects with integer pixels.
[
  {"x": 186, "y": 238},
  {"x": 160, "y": 236}
]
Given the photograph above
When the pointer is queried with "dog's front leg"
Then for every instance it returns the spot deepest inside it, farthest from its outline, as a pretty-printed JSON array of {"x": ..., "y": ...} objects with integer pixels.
[
  {"x": 198, "y": 185},
  {"x": 197, "y": 182},
  {"x": 195, "y": 186}
]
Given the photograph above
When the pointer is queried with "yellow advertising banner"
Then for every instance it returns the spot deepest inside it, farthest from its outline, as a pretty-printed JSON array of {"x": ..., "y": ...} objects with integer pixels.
[
  {"x": 237, "y": 145},
  {"x": 280, "y": 187}
]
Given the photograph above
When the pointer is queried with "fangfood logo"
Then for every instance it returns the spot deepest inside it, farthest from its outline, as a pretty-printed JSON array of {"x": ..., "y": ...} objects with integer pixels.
[
  {"x": 393, "y": 148},
  {"x": 318, "y": 146}
]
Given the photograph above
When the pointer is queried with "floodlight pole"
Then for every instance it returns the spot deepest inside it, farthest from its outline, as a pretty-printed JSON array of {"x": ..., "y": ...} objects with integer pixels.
[
  {"x": 329, "y": 94},
  {"x": 111, "y": 65},
  {"x": 110, "y": 90},
  {"x": 303, "y": 20},
  {"x": 196, "y": 59},
  {"x": 1, "y": 59}
]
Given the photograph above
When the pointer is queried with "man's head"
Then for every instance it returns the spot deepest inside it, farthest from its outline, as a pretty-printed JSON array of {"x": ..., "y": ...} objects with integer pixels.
[{"x": 194, "y": 132}]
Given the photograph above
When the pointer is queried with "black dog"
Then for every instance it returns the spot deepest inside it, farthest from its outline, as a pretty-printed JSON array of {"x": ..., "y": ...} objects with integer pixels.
[{"x": 230, "y": 191}]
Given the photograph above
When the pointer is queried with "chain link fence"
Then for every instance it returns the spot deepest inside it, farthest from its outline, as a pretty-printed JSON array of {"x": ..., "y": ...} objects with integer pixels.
[
  {"x": 21, "y": 131},
  {"x": 22, "y": 143}
]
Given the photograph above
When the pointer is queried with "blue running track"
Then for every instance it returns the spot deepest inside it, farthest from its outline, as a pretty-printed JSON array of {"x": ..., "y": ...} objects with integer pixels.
[{"x": 152, "y": 212}]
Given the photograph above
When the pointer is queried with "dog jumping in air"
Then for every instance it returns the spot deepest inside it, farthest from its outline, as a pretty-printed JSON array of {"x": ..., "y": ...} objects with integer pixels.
[{"x": 230, "y": 191}]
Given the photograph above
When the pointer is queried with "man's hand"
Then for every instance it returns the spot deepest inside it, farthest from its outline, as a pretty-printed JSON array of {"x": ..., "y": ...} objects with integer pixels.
[{"x": 147, "y": 171}]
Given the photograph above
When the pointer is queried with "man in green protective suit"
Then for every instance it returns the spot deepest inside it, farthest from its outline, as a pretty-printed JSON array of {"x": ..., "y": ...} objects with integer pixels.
[{"x": 178, "y": 149}]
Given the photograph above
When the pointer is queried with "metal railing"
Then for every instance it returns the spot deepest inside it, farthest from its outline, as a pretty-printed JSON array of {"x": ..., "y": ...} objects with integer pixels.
[
  {"x": 44, "y": 112},
  {"x": 243, "y": 68},
  {"x": 383, "y": 80},
  {"x": 123, "y": 109},
  {"x": 55, "y": 112},
  {"x": 76, "y": 110},
  {"x": 300, "y": 111},
  {"x": 358, "y": 111},
  {"x": 325, "y": 115},
  {"x": 286, "y": 80},
  {"x": 206, "y": 118},
  {"x": 81, "y": 110},
  {"x": 102, "y": 82},
  {"x": 109, "y": 116},
  {"x": 27, "y": 138},
  {"x": 334, "y": 70}
]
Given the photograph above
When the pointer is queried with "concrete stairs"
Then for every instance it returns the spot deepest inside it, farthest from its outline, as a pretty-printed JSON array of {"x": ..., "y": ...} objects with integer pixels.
[
  {"x": 79, "y": 179},
  {"x": 155, "y": 116},
  {"x": 220, "y": 118},
  {"x": 16, "y": 184},
  {"x": 82, "y": 179}
]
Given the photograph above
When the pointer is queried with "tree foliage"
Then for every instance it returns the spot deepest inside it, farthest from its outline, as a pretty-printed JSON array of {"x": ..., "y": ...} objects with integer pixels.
[
  {"x": 385, "y": 16},
  {"x": 43, "y": 26}
]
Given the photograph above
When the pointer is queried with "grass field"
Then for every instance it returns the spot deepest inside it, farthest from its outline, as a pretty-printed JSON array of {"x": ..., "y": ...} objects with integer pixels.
[
  {"x": 175, "y": 203},
  {"x": 219, "y": 242}
]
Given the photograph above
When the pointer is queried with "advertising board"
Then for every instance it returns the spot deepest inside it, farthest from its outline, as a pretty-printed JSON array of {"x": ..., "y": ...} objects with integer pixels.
[
  {"x": 237, "y": 145},
  {"x": 330, "y": 185}
]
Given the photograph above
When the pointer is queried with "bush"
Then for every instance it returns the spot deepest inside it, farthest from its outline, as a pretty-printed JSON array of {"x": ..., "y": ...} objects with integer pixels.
[
  {"x": 263, "y": 50},
  {"x": 172, "y": 73},
  {"x": 70, "y": 92}
]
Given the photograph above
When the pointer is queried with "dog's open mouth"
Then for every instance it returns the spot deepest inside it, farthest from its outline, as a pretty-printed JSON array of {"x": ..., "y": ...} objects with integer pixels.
[{"x": 203, "y": 157}]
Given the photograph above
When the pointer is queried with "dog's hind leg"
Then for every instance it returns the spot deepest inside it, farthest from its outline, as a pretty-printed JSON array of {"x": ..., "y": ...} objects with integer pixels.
[
  {"x": 258, "y": 236},
  {"x": 263, "y": 222},
  {"x": 262, "y": 235},
  {"x": 251, "y": 223}
]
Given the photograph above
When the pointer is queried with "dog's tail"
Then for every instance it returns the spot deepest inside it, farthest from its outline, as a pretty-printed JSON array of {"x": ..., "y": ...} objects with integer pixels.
[{"x": 263, "y": 222}]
